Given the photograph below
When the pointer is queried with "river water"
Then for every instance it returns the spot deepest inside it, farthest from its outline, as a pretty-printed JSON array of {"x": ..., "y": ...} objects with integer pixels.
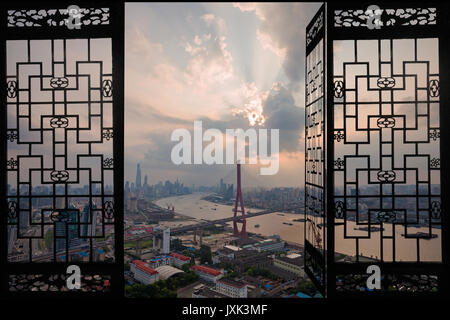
[{"x": 193, "y": 206}]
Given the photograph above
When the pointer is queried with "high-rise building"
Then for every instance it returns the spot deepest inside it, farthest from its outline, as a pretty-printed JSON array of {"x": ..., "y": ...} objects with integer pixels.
[
  {"x": 166, "y": 241},
  {"x": 12, "y": 237},
  {"x": 84, "y": 220},
  {"x": 138, "y": 177},
  {"x": 145, "y": 181},
  {"x": 67, "y": 230},
  {"x": 88, "y": 219},
  {"x": 132, "y": 202}
]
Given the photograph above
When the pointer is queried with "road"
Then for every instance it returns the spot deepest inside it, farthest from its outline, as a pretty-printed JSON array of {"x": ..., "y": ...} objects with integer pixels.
[{"x": 149, "y": 235}]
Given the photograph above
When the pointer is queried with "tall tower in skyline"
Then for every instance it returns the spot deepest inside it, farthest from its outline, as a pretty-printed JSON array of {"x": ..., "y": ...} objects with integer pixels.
[
  {"x": 239, "y": 207},
  {"x": 138, "y": 177}
]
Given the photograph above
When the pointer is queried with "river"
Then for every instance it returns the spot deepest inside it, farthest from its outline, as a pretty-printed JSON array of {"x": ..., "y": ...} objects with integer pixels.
[{"x": 193, "y": 206}]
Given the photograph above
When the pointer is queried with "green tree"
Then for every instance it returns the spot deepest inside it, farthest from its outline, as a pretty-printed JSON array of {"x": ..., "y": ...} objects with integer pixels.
[
  {"x": 162, "y": 288},
  {"x": 306, "y": 286},
  {"x": 254, "y": 272},
  {"x": 205, "y": 254}
]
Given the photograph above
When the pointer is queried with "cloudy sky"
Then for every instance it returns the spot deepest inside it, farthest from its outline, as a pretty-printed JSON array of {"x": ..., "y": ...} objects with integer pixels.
[{"x": 219, "y": 63}]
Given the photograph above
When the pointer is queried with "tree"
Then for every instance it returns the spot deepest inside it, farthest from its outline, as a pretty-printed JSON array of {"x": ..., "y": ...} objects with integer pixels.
[
  {"x": 162, "y": 288},
  {"x": 254, "y": 272},
  {"x": 306, "y": 286},
  {"x": 205, "y": 254},
  {"x": 187, "y": 266}
]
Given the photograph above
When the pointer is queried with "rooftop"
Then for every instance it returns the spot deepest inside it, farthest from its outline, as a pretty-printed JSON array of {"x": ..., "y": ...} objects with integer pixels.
[
  {"x": 208, "y": 293},
  {"x": 157, "y": 258},
  {"x": 231, "y": 248},
  {"x": 233, "y": 283},
  {"x": 141, "y": 265},
  {"x": 166, "y": 272},
  {"x": 267, "y": 242},
  {"x": 179, "y": 256},
  {"x": 207, "y": 270},
  {"x": 298, "y": 261}
]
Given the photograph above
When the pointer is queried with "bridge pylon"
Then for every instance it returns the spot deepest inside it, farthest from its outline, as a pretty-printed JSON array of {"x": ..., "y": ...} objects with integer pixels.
[{"x": 239, "y": 207}]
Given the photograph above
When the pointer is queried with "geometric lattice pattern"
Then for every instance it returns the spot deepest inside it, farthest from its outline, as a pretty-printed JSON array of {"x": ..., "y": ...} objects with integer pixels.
[
  {"x": 60, "y": 150},
  {"x": 386, "y": 150},
  {"x": 381, "y": 155},
  {"x": 56, "y": 17},
  {"x": 314, "y": 152},
  {"x": 391, "y": 282},
  {"x": 57, "y": 282},
  {"x": 358, "y": 18}
]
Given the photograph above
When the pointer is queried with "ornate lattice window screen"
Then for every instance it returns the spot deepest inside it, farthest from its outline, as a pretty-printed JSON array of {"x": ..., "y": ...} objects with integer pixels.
[
  {"x": 314, "y": 152},
  {"x": 63, "y": 148},
  {"x": 387, "y": 159},
  {"x": 382, "y": 149}
]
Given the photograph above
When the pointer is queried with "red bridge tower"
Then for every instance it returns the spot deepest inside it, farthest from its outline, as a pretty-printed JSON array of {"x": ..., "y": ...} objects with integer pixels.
[{"x": 239, "y": 202}]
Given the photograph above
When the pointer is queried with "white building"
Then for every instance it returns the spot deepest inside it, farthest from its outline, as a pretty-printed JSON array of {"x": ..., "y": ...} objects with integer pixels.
[
  {"x": 143, "y": 273},
  {"x": 231, "y": 288},
  {"x": 166, "y": 241},
  {"x": 207, "y": 274},
  {"x": 165, "y": 272},
  {"x": 292, "y": 263},
  {"x": 159, "y": 261},
  {"x": 269, "y": 245},
  {"x": 179, "y": 260},
  {"x": 223, "y": 254}
]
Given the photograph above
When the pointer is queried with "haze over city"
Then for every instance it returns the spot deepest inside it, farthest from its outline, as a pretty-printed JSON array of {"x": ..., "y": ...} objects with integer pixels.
[{"x": 229, "y": 65}]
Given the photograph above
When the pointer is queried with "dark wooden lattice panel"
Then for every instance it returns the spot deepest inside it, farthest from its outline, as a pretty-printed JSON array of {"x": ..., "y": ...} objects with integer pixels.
[
  {"x": 315, "y": 151},
  {"x": 64, "y": 154},
  {"x": 384, "y": 149},
  {"x": 353, "y": 18},
  {"x": 387, "y": 152}
]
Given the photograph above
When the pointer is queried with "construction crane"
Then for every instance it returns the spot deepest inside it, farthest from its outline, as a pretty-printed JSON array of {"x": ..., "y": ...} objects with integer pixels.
[{"x": 315, "y": 231}]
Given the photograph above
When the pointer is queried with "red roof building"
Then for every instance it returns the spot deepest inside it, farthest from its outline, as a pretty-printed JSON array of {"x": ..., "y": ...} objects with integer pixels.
[
  {"x": 207, "y": 274},
  {"x": 231, "y": 288},
  {"x": 141, "y": 265},
  {"x": 180, "y": 256},
  {"x": 207, "y": 270}
]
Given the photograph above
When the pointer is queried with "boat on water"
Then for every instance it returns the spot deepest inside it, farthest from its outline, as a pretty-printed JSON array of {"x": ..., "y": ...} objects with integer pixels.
[
  {"x": 372, "y": 229},
  {"x": 288, "y": 223},
  {"x": 256, "y": 225},
  {"x": 421, "y": 235}
]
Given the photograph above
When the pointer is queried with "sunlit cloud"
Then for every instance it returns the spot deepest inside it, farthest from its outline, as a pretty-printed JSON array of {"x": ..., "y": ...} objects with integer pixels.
[{"x": 198, "y": 69}]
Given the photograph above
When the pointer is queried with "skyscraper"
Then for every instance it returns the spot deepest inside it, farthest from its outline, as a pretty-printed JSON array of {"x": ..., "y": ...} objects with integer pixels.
[
  {"x": 66, "y": 230},
  {"x": 138, "y": 177},
  {"x": 166, "y": 241},
  {"x": 145, "y": 181},
  {"x": 88, "y": 221}
]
